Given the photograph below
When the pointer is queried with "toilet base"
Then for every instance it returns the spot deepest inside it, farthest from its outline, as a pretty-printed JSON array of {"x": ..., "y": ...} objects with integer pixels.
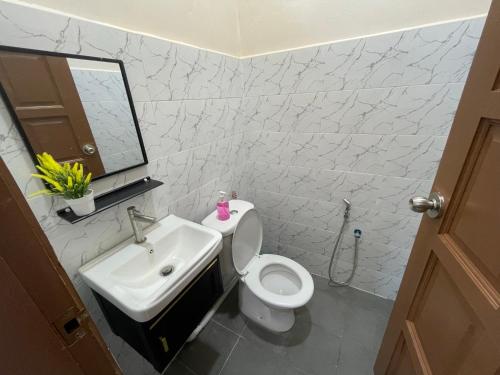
[{"x": 276, "y": 320}]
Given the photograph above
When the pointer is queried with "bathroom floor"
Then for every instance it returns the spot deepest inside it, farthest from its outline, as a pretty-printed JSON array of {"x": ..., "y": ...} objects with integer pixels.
[{"x": 337, "y": 333}]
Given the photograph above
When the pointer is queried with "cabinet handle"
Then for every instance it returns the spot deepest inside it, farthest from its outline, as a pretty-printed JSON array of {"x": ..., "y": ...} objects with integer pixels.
[{"x": 164, "y": 343}]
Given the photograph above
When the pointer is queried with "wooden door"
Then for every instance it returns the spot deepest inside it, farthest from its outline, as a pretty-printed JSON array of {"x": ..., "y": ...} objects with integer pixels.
[
  {"x": 446, "y": 318},
  {"x": 44, "y": 327},
  {"x": 44, "y": 98}
]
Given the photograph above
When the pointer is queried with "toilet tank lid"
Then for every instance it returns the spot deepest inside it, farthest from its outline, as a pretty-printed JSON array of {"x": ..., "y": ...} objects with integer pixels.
[{"x": 227, "y": 227}]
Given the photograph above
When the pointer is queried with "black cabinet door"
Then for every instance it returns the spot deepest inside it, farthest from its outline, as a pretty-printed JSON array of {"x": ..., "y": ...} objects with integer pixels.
[{"x": 168, "y": 332}]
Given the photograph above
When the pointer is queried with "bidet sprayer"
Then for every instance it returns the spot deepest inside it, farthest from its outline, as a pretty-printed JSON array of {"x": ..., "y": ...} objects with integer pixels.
[{"x": 347, "y": 208}]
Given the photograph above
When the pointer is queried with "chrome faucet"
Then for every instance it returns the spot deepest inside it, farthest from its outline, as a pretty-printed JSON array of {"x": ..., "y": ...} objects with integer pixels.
[{"x": 135, "y": 216}]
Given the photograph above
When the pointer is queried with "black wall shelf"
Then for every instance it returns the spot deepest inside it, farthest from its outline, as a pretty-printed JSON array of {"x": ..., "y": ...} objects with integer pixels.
[{"x": 112, "y": 198}]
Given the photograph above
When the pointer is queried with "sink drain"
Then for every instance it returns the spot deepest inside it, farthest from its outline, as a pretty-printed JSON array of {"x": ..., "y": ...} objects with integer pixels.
[{"x": 167, "y": 270}]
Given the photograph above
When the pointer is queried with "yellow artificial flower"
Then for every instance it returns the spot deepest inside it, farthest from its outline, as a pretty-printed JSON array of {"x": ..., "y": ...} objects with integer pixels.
[
  {"x": 64, "y": 179},
  {"x": 41, "y": 192},
  {"x": 49, "y": 162},
  {"x": 43, "y": 170},
  {"x": 79, "y": 174},
  {"x": 51, "y": 181}
]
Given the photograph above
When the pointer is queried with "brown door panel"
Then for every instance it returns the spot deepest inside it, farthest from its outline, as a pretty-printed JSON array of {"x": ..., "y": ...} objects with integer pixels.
[
  {"x": 38, "y": 299},
  {"x": 402, "y": 362},
  {"x": 479, "y": 203},
  {"x": 44, "y": 97},
  {"x": 45, "y": 132},
  {"x": 441, "y": 307},
  {"x": 446, "y": 318},
  {"x": 28, "y": 333},
  {"x": 21, "y": 71}
]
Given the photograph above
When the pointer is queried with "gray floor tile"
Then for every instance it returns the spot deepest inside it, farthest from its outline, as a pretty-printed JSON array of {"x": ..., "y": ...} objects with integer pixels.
[
  {"x": 356, "y": 358},
  {"x": 249, "y": 359},
  {"x": 318, "y": 355},
  {"x": 365, "y": 326},
  {"x": 178, "y": 368},
  {"x": 131, "y": 362},
  {"x": 229, "y": 314},
  {"x": 209, "y": 351},
  {"x": 269, "y": 341},
  {"x": 327, "y": 310},
  {"x": 367, "y": 301},
  {"x": 337, "y": 332},
  {"x": 306, "y": 346}
]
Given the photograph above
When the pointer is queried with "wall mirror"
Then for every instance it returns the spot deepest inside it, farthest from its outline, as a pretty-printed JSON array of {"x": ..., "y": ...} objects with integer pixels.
[{"x": 76, "y": 108}]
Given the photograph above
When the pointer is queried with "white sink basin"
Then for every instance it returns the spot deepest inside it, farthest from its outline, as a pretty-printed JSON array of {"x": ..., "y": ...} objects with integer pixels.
[{"x": 129, "y": 275}]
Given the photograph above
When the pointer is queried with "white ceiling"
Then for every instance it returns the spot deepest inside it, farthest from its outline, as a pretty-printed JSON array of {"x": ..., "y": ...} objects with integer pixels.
[{"x": 249, "y": 27}]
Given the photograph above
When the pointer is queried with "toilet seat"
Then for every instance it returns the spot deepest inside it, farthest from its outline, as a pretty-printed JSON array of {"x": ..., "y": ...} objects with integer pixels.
[
  {"x": 247, "y": 241},
  {"x": 281, "y": 267},
  {"x": 274, "y": 279}
]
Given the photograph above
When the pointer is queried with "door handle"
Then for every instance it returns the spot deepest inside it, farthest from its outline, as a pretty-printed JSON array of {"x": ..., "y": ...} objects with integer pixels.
[
  {"x": 89, "y": 149},
  {"x": 432, "y": 206}
]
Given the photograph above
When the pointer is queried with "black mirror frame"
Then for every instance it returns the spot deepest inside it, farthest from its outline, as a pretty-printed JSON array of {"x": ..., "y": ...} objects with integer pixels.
[{"x": 82, "y": 57}]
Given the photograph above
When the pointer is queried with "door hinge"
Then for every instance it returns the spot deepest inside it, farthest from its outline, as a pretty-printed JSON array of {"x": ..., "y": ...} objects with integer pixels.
[{"x": 70, "y": 325}]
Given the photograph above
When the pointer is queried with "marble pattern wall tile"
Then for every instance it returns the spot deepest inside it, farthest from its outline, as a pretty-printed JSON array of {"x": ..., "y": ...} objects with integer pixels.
[
  {"x": 408, "y": 110},
  {"x": 181, "y": 72},
  {"x": 108, "y": 112},
  {"x": 99, "y": 85},
  {"x": 366, "y": 120},
  {"x": 434, "y": 54},
  {"x": 184, "y": 124},
  {"x": 392, "y": 155}
]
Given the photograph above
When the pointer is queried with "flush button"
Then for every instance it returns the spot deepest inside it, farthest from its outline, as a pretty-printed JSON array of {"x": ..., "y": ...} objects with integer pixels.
[{"x": 233, "y": 212}]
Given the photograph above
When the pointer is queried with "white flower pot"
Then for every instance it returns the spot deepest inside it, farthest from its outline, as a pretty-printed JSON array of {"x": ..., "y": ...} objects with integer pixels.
[{"x": 84, "y": 205}]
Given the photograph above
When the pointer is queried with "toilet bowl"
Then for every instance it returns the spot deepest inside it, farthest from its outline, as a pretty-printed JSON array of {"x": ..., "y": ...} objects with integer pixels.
[{"x": 270, "y": 286}]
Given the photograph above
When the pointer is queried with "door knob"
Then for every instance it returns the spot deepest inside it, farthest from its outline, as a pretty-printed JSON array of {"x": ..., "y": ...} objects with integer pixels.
[
  {"x": 433, "y": 205},
  {"x": 89, "y": 149}
]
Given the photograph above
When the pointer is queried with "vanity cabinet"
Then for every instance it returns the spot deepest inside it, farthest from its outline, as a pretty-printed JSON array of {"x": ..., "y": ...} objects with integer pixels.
[{"x": 159, "y": 339}]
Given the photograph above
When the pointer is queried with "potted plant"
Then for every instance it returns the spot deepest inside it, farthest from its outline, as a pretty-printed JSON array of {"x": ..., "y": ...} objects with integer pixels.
[{"x": 67, "y": 181}]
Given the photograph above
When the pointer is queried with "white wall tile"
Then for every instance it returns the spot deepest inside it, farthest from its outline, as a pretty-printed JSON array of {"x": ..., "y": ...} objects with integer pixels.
[
  {"x": 365, "y": 120},
  {"x": 435, "y": 54}
]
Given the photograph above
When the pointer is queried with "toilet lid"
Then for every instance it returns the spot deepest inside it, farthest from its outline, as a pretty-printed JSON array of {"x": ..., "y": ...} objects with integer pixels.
[{"x": 247, "y": 240}]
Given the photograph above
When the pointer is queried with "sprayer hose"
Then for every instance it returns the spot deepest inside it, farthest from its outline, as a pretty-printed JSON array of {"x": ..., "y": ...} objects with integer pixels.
[{"x": 338, "y": 241}]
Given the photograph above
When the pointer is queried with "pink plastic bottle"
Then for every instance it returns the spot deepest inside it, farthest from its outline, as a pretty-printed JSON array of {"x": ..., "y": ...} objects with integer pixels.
[{"x": 223, "y": 207}]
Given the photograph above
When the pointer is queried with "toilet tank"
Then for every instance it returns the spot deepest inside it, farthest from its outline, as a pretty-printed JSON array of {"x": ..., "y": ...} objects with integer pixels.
[{"x": 237, "y": 208}]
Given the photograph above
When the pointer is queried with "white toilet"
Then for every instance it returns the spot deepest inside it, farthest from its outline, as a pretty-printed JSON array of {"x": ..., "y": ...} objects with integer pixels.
[{"x": 271, "y": 286}]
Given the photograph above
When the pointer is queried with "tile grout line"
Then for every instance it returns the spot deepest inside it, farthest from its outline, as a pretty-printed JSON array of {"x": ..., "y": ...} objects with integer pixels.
[
  {"x": 324, "y": 90},
  {"x": 352, "y": 90},
  {"x": 183, "y": 364},
  {"x": 189, "y": 368},
  {"x": 229, "y": 355},
  {"x": 229, "y": 329}
]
